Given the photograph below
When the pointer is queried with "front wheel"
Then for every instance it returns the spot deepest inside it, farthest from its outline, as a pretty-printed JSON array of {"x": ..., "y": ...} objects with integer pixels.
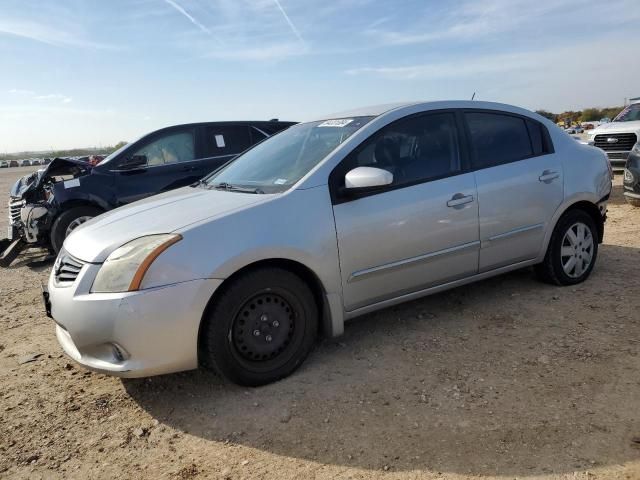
[
  {"x": 261, "y": 328},
  {"x": 68, "y": 221},
  {"x": 572, "y": 250}
]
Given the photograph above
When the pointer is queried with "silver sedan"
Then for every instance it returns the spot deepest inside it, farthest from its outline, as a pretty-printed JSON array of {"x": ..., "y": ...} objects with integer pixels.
[{"x": 321, "y": 223}]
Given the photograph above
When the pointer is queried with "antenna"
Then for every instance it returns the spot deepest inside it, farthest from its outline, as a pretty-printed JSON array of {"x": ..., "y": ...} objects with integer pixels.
[{"x": 473, "y": 96}]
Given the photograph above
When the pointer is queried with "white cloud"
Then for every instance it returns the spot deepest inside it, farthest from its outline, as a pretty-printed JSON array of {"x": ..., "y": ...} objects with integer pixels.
[
  {"x": 267, "y": 53},
  {"x": 186, "y": 14},
  {"x": 54, "y": 96},
  {"x": 47, "y": 34},
  {"x": 19, "y": 91},
  {"x": 294, "y": 29}
]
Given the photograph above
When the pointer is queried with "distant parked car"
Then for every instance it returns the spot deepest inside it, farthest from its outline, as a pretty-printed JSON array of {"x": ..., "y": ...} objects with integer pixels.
[
  {"x": 631, "y": 181},
  {"x": 13, "y": 163},
  {"x": 575, "y": 129},
  {"x": 35, "y": 162},
  {"x": 4, "y": 164},
  {"x": 326, "y": 221},
  {"x": 46, "y": 161},
  {"x": 25, "y": 163},
  {"x": 68, "y": 192}
]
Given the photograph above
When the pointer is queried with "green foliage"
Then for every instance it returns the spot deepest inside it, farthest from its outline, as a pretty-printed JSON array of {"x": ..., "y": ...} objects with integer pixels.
[{"x": 551, "y": 116}]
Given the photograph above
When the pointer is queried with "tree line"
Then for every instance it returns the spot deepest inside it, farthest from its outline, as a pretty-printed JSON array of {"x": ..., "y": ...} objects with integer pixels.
[
  {"x": 72, "y": 152},
  {"x": 587, "y": 115}
]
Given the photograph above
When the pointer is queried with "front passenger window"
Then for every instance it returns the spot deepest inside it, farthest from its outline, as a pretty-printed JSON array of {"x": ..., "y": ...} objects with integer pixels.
[
  {"x": 414, "y": 150},
  {"x": 172, "y": 148}
]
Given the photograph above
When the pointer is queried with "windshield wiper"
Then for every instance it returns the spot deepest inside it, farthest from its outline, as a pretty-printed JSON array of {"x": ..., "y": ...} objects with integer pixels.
[{"x": 233, "y": 188}]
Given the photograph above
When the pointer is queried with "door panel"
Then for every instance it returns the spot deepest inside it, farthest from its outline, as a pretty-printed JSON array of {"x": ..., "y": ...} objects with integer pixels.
[
  {"x": 171, "y": 162},
  {"x": 520, "y": 185},
  {"x": 407, "y": 239},
  {"x": 516, "y": 208}
]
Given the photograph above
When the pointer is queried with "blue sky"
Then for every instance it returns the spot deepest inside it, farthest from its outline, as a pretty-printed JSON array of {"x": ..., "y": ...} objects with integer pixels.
[{"x": 93, "y": 72}]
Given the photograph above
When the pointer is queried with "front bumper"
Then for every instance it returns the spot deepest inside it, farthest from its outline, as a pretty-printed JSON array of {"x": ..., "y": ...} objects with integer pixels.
[{"x": 132, "y": 334}]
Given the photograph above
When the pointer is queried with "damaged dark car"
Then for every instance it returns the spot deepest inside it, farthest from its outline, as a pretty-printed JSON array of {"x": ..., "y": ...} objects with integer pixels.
[{"x": 47, "y": 205}]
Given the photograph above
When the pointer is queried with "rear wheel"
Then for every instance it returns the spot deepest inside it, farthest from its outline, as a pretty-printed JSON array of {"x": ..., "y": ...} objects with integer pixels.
[
  {"x": 261, "y": 328},
  {"x": 68, "y": 221},
  {"x": 572, "y": 250}
]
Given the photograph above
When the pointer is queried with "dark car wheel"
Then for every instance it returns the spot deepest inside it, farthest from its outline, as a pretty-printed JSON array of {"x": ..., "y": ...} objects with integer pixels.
[
  {"x": 69, "y": 220},
  {"x": 572, "y": 250},
  {"x": 261, "y": 328}
]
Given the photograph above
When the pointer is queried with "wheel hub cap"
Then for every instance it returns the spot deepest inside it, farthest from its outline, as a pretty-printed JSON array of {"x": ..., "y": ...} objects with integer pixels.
[
  {"x": 263, "y": 327},
  {"x": 577, "y": 250}
]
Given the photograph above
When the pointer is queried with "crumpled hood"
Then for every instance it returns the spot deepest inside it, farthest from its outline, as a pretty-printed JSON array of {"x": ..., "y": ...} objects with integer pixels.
[
  {"x": 617, "y": 127},
  {"x": 58, "y": 167},
  {"x": 164, "y": 213},
  {"x": 26, "y": 184}
]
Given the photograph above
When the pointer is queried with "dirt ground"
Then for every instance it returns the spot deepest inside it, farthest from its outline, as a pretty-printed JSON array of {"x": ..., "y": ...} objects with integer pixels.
[{"x": 507, "y": 378}]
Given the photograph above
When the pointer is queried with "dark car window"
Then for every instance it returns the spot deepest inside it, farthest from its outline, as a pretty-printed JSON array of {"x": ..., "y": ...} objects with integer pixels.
[
  {"x": 227, "y": 139},
  {"x": 172, "y": 148},
  {"x": 414, "y": 150},
  {"x": 497, "y": 138},
  {"x": 257, "y": 135},
  {"x": 537, "y": 137}
]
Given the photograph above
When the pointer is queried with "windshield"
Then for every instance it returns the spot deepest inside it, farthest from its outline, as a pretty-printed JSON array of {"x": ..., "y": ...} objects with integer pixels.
[
  {"x": 629, "y": 114},
  {"x": 112, "y": 155},
  {"x": 276, "y": 164}
]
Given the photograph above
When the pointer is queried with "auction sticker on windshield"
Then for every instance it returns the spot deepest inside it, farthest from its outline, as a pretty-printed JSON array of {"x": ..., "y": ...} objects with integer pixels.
[{"x": 343, "y": 122}]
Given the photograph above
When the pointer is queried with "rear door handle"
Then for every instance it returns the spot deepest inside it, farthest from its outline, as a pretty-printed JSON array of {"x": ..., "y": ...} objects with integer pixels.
[
  {"x": 548, "y": 176},
  {"x": 459, "y": 199}
]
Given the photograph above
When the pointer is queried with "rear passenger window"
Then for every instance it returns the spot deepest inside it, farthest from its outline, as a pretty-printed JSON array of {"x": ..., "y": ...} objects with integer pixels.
[
  {"x": 227, "y": 139},
  {"x": 537, "y": 138},
  {"x": 498, "y": 139}
]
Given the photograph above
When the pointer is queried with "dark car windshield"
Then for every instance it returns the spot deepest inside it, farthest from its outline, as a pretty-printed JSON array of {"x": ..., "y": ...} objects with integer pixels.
[
  {"x": 629, "y": 114},
  {"x": 274, "y": 165}
]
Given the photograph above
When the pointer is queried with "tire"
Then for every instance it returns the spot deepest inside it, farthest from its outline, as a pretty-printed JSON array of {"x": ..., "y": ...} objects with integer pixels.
[
  {"x": 65, "y": 220},
  {"x": 556, "y": 267},
  {"x": 261, "y": 328},
  {"x": 632, "y": 201}
]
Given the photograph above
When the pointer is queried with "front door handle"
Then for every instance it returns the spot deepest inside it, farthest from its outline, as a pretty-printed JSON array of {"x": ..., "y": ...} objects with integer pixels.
[
  {"x": 459, "y": 199},
  {"x": 548, "y": 176}
]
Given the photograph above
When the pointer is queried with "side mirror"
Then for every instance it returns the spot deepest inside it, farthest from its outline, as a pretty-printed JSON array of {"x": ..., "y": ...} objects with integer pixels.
[{"x": 367, "y": 177}]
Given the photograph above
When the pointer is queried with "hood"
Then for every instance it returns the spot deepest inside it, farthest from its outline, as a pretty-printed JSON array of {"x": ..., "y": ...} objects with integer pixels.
[
  {"x": 164, "y": 213},
  {"x": 58, "y": 167},
  {"x": 617, "y": 127}
]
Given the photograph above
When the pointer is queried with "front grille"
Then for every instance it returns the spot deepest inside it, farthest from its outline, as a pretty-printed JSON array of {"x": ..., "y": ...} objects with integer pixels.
[
  {"x": 624, "y": 142},
  {"x": 14, "y": 210},
  {"x": 618, "y": 155},
  {"x": 66, "y": 268}
]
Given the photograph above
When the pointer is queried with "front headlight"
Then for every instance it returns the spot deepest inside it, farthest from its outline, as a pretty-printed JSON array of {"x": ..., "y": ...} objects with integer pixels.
[
  {"x": 636, "y": 149},
  {"x": 124, "y": 269}
]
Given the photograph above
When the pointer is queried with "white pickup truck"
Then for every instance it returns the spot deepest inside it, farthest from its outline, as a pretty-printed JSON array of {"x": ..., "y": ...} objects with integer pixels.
[{"x": 618, "y": 137}]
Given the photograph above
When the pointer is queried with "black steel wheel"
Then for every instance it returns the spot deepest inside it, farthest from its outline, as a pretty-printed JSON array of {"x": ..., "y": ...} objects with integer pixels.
[{"x": 261, "y": 328}]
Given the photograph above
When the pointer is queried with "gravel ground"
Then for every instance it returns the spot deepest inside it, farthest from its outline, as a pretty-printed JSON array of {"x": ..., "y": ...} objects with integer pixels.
[{"x": 505, "y": 378}]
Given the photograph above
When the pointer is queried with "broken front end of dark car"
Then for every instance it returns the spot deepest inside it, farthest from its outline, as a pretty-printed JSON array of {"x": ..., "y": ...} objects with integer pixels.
[{"x": 34, "y": 205}]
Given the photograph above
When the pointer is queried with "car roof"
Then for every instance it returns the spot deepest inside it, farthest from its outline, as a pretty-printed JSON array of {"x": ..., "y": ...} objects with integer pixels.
[{"x": 378, "y": 110}]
